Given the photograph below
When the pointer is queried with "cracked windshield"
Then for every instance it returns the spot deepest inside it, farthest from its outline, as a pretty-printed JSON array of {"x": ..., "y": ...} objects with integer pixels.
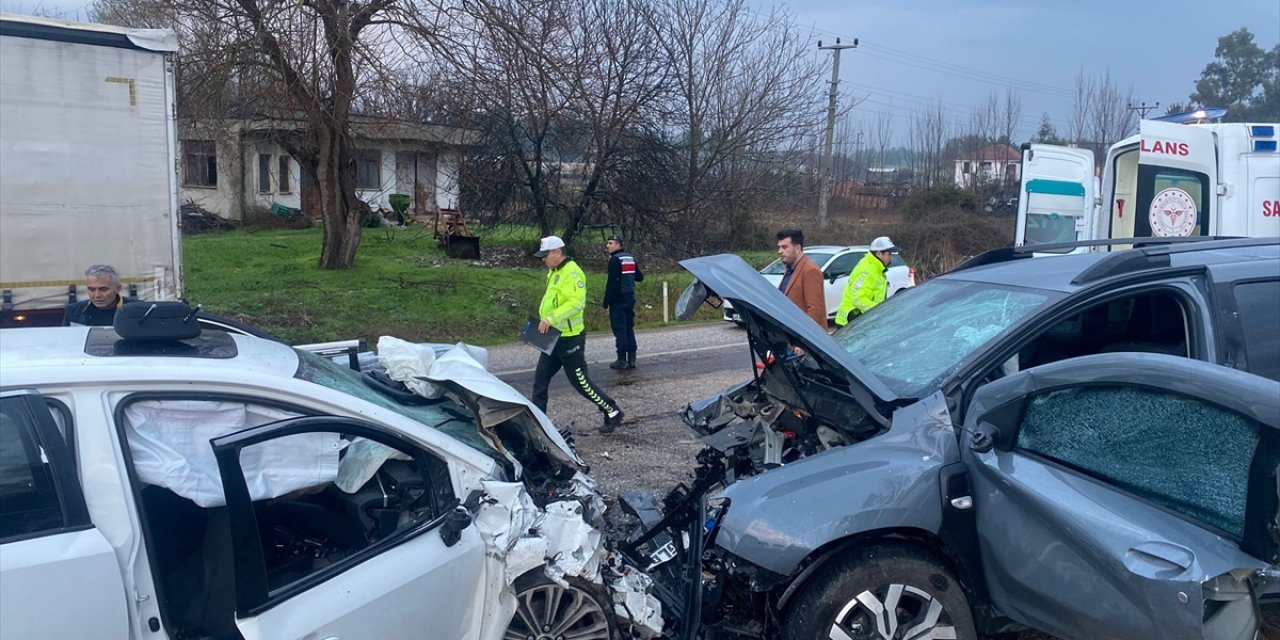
[{"x": 913, "y": 340}]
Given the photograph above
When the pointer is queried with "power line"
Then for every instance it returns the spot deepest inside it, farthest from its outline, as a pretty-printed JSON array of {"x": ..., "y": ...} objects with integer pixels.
[
  {"x": 930, "y": 64},
  {"x": 1031, "y": 85}
]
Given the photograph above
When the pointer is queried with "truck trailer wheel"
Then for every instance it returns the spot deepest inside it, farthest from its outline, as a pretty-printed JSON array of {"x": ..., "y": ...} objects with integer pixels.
[{"x": 886, "y": 592}]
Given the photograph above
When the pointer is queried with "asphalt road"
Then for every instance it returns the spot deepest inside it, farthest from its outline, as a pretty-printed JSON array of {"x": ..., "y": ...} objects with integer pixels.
[{"x": 652, "y": 449}]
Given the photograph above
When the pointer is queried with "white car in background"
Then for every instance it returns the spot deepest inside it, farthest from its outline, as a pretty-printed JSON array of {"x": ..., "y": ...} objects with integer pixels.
[{"x": 836, "y": 263}]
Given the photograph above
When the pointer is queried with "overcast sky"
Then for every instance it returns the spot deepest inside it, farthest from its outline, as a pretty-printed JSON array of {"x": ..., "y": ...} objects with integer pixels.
[
  {"x": 916, "y": 51},
  {"x": 921, "y": 50}
]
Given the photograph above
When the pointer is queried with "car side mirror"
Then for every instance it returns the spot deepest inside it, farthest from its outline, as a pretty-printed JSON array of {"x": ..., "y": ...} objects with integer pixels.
[
  {"x": 997, "y": 428},
  {"x": 983, "y": 439},
  {"x": 690, "y": 299},
  {"x": 454, "y": 523}
]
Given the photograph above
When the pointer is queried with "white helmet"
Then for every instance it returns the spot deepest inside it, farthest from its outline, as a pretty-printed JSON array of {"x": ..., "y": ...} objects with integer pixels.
[{"x": 883, "y": 243}]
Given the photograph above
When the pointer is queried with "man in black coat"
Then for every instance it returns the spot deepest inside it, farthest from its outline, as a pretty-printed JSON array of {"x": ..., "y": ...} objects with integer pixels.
[
  {"x": 102, "y": 281},
  {"x": 620, "y": 300}
]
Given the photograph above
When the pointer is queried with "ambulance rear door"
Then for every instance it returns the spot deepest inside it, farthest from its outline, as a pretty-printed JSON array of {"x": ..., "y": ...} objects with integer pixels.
[
  {"x": 1058, "y": 196},
  {"x": 1177, "y": 193}
]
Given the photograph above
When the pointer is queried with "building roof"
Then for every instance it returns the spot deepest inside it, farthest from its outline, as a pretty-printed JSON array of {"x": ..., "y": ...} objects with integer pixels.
[
  {"x": 993, "y": 153},
  {"x": 362, "y": 128}
]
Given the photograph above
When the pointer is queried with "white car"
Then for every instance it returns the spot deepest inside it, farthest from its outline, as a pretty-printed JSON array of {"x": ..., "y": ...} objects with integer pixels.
[
  {"x": 227, "y": 486},
  {"x": 836, "y": 264}
]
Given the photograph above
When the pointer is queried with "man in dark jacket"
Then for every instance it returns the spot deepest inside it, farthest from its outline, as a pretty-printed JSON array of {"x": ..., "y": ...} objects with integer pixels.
[
  {"x": 620, "y": 300},
  {"x": 102, "y": 281}
]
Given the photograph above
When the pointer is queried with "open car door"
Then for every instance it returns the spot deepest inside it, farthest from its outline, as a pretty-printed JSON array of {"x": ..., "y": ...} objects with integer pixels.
[
  {"x": 1126, "y": 496},
  {"x": 1058, "y": 195},
  {"x": 372, "y": 547}
]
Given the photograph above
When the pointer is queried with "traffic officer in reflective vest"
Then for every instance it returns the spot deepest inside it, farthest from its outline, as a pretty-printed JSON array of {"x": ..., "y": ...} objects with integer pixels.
[
  {"x": 561, "y": 308},
  {"x": 868, "y": 283},
  {"x": 620, "y": 300}
]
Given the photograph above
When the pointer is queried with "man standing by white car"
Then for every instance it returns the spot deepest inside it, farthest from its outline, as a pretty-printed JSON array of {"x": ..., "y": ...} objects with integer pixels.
[{"x": 867, "y": 284}]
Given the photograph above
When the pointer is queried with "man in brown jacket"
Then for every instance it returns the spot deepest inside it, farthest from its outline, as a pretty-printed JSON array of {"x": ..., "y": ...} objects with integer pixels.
[{"x": 802, "y": 282}]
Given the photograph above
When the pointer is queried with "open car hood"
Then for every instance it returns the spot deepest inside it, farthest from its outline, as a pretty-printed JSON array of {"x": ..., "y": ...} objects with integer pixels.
[{"x": 773, "y": 322}]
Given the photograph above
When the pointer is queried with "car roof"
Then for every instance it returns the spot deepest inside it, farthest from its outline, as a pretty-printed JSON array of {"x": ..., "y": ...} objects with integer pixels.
[
  {"x": 837, "y": 248},
  {"x": 1064, "y": 273},
  {"x": 27, "y": 351}
]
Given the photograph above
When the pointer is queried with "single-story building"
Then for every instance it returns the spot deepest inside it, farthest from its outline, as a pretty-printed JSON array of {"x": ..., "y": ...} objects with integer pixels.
[
  {"x": 997, "y": 164},
  {"x": 230, "y": 167}
]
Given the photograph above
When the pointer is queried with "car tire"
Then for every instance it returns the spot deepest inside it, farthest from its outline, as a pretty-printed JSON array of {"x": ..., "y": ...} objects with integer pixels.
[
  {"x": 854, "y": 592},
  {"x": 547, "y": 610}
]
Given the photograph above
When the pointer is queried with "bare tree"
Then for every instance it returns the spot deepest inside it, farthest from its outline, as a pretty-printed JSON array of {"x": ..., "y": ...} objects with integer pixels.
[
  {"x": 929, "y": 134},
  {"x": 1081, "y": 104},
  {"x": 304, "y": 65},
  {"x": 1100, "y": 113},
  {"x": 1110, "y": 118},
  {"x": 1010, "y": 116},
  {"x": 562, "y": 92},
  {"x": 745, "y": 85}
]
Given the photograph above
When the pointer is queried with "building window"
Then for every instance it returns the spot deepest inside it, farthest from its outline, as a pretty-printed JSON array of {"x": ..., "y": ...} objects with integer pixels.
[
  {"x": 968, "y": 167},
  {"x": 986, "y": 167},
  {"x": 285, "y": 177},
  {"x": 200, "y": 163},
  {"x": 264, "y": 173},
  {"x": 368, "y": 170}
]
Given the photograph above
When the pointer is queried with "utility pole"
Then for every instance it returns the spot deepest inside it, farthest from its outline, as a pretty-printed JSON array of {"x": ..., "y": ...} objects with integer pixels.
[
  {"x": 825, "y": 166},
  {"x": 857, "y": 157},
  {"x": 1143, "y": 109}
]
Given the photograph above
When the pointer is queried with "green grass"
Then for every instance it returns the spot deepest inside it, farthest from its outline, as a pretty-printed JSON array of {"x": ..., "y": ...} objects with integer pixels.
[{"x": 401, "y": 286}]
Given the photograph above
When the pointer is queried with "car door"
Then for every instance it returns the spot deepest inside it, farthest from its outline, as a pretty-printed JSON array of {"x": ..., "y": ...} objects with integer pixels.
[
  {"x": 376, "y": 553},
  {"x": 1126, "y": 495},
  {"x": 58, "y": 574}
]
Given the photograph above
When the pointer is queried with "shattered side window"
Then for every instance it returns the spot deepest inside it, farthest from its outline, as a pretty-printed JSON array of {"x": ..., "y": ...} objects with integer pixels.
[
  {"x": 446, "y": 417},
  {"x": 912, "y": 341},
  {"x": 1180, "y": 453}
]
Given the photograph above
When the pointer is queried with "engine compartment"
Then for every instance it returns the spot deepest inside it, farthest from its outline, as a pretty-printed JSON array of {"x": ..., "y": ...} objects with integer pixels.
[{"x": 766, "y": 423}]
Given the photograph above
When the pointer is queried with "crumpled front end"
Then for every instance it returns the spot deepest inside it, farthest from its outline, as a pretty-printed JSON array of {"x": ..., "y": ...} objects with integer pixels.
[
  {"x": 548, "y": 519},
  {"x": 520, "y": 538}
]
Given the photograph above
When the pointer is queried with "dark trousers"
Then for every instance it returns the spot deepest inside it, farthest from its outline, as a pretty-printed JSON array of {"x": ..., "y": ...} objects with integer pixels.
[
  {"x": 622, "y": 319},
  {"x": 570, "y": 353}
]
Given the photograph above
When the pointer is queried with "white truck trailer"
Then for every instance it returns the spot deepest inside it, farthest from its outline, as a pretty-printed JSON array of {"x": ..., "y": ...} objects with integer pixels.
[
  {"x": 87, "y": 163},
  {"x": 1169, "y": 180}
]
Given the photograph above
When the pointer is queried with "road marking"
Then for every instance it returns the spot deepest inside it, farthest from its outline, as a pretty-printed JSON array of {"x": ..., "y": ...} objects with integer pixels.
[{"x": 639, "y": 356}]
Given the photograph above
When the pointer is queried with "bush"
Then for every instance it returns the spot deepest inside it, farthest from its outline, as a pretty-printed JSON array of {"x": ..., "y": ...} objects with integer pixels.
[
  {"x": 276, "y": 217},
  {"x": 939, "y": 203}
]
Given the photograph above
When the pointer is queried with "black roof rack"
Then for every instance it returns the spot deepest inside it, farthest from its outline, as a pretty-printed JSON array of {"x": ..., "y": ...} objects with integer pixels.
[
  {"x": 1157, "y": 256},
  {"x": 1007, "y": 254}
]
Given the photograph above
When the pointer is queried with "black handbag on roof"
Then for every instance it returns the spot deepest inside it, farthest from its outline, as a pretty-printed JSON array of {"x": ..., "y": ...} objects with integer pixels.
[{"x": 157, "y": 321}]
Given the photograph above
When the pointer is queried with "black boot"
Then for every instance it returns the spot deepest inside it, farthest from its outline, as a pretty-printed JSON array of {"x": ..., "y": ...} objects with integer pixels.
[
  {"x": 631, "y": 359},
  {"x": 620, "y": 363},
  {"x": 611, "y": 422}
]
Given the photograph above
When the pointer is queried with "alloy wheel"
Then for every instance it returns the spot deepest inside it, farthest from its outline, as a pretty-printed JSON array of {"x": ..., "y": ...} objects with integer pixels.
[
  {"x": 894, "y": 612},
  {"x": 553, "y": 612}
]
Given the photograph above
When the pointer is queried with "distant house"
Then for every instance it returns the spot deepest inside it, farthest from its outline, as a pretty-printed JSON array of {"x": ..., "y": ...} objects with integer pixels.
[
  {"x": 997, "y": 164},
  {"x": 230, "y": 167}
]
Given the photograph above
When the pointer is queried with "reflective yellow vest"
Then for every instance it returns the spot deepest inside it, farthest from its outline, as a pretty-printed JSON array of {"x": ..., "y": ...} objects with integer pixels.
[
  {"x": 565, "y": 299},
  {"x": 866, "y": 288}
]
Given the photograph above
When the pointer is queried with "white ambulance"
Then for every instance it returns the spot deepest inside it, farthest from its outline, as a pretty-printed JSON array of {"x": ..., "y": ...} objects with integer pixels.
[{"x": 1170, "y": 180}]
